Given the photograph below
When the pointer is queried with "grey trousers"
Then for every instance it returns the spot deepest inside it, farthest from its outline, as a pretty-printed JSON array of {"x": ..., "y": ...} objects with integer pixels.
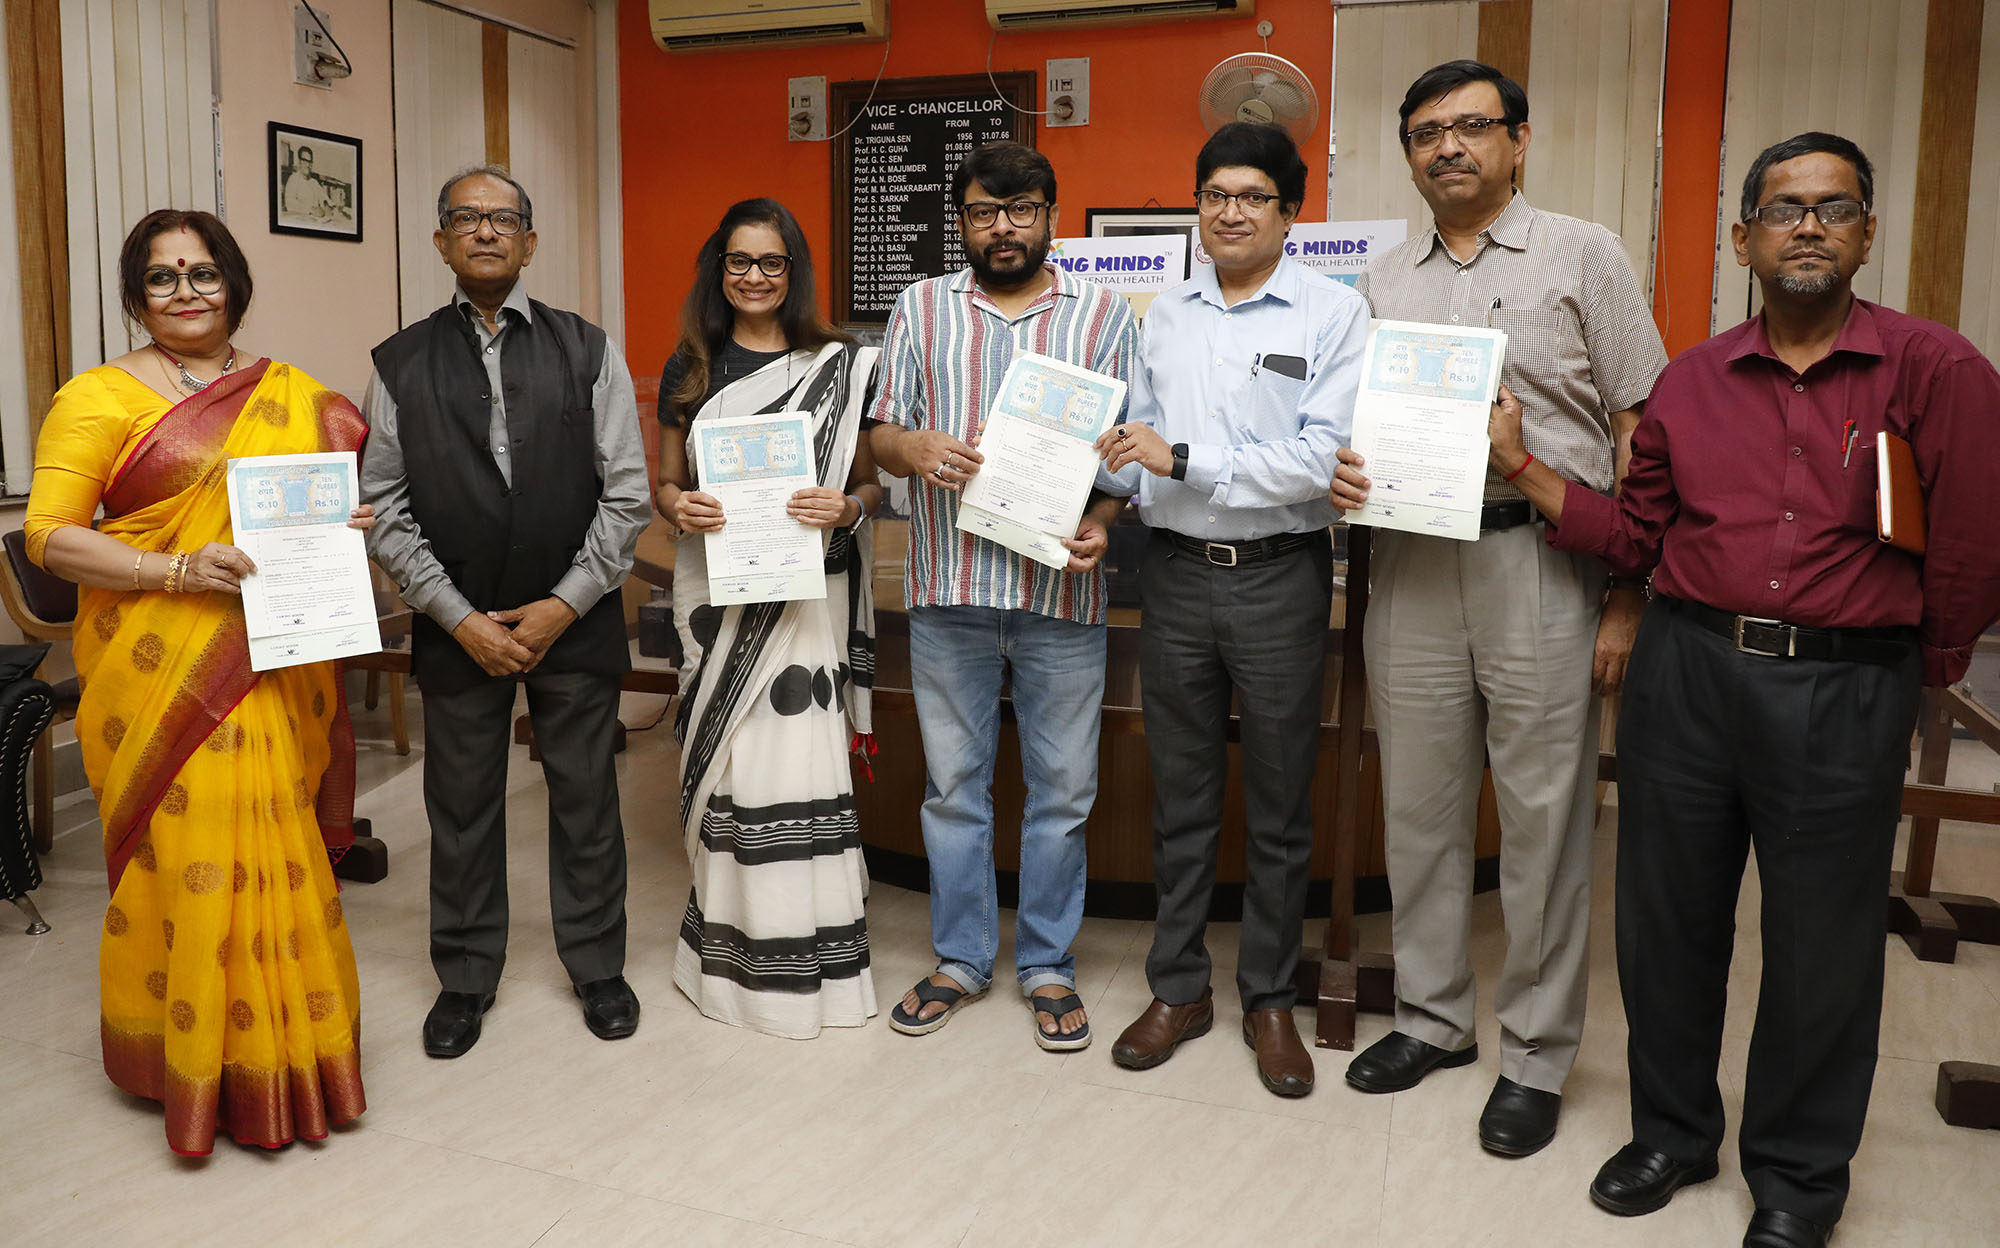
[
  {"x": 1257, "y": 633},
  {"x": 1482, "y": 650},
  {"x": 466, "y": 736}
]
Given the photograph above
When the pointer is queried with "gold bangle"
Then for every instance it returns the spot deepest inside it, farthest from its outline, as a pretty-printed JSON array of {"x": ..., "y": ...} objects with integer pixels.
[
  {"x": 181, "y": 571},
  {"x": 142, "y": 558},
  {"x": 176, "y": 569}
]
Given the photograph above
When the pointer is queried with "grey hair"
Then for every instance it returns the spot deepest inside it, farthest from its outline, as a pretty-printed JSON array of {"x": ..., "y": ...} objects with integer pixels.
[{"x": 487, "y": 171}]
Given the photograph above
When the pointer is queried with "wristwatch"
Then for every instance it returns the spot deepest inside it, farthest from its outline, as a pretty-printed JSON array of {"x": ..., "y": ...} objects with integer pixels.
[{"x": 1180, "y": 461}]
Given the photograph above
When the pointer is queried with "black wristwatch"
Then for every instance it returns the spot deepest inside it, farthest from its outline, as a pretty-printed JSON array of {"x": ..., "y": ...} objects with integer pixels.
[{"x": 1180, "y": 461}]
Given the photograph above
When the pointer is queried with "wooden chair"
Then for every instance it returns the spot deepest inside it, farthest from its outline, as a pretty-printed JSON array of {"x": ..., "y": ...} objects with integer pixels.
[{"x": 43, "y": 606}]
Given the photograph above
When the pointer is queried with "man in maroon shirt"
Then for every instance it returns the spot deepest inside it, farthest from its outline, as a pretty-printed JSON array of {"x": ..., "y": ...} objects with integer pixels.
[{"x": 1774, "y": 685}]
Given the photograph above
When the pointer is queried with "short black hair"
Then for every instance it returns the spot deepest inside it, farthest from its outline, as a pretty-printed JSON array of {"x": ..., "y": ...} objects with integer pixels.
[
  {"x": 1805, "y": 145},
  {"x": 303, "y": 153},
  {"x": 1440, "y": 80},
  {"x": 1256, "y": 145},
  {"x": 487, "y": 171},
  {"x": 1007, "y": 170},
  {"x": 137, "y": 253}
]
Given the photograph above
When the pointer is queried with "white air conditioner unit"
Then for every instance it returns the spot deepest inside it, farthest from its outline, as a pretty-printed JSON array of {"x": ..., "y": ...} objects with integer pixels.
[
  {"x": 719, "y": 25},
  {"x": 1017, "y": 14}
]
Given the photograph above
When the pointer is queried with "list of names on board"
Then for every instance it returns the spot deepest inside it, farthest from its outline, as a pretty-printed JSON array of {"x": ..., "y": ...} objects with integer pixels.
[{"x": 893, "y": 181}]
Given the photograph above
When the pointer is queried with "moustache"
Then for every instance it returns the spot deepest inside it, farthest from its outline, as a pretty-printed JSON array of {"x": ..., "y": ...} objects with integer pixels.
[{"x": 1449, "y": 163}]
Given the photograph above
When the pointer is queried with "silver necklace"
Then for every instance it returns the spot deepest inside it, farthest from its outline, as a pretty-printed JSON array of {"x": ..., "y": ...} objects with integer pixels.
[{"x": 188, "y": 381}]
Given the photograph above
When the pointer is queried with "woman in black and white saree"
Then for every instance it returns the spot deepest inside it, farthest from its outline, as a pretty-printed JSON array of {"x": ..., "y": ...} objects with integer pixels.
[{"x": 773, "y": 694}]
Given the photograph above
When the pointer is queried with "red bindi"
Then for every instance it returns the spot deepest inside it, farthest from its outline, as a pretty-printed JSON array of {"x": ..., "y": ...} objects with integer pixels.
[{"x": 182, "y": 263}]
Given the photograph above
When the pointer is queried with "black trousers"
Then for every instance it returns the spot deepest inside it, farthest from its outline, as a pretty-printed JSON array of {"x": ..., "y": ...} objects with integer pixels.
[
  {"x": 1258, "y": 634},
  {"x": 1719, "y": 753},
  {"x": 466, "y": 736}
]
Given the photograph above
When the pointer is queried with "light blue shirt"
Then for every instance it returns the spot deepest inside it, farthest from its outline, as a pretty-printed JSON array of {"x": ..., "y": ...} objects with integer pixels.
[{"x": 1260, "y": 443}]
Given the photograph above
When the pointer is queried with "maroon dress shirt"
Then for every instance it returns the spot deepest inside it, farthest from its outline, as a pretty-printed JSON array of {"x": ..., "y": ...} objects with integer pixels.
[{"x": 1740, "y": 493}]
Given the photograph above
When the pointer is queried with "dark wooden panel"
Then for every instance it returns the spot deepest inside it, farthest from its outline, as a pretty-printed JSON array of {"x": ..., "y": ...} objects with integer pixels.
[
  {"x": 1505, "y": 36},
  {"x": 493, "y": 83},
  {"x": 1944, "y": 158}
]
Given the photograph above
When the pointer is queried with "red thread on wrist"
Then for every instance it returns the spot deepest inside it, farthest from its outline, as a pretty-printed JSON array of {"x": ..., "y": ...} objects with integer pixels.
[{"x": 1509, "y": 478}]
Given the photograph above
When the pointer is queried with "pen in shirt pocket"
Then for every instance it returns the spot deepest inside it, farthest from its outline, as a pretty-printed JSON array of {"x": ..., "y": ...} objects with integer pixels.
[
  {"x": 1256, "y": 362},
  {"x": 1848, "y": 436},
  {"x": 1491, "y": 308}
]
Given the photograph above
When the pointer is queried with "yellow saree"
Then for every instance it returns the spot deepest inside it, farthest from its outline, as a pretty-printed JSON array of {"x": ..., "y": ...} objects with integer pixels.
[{"x": 228, "y": 980}]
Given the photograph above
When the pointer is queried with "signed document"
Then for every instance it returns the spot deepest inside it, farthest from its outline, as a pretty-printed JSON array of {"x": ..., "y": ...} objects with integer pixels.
[
  {"x": 1420, "y": 423},
  {"x": 1029, "y": 494},
  {"x": 753, "y": 465},
  {"x": 311, "y": 598}
]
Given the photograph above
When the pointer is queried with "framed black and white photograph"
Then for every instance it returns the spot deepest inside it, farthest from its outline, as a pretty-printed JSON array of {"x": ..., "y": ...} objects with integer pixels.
[
  {"x": 315, "y": 183},
  {"x": 1127, "y": 222}
]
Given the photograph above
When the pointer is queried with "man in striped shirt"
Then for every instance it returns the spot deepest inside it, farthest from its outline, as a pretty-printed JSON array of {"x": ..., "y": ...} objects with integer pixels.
[{"x": 980, "y": 613}]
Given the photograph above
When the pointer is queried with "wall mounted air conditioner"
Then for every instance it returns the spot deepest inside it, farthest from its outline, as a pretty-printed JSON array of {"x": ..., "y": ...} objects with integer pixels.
[
  {"x": 1017, "y": 14},
  {"x": 719, "y": 25}
]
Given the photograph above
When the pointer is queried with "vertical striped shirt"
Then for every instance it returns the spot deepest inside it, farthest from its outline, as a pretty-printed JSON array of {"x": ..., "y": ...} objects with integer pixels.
[{"x": 945, "y": 351}]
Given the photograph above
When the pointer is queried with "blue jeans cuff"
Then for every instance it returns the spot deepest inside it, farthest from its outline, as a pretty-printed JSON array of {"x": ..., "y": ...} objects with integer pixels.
[
  {"x": 1042, "y": 978},
  {"x": 972, "y": 981}
]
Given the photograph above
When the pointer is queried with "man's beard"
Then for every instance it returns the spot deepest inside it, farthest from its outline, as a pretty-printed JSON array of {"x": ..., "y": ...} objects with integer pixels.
[
  {"x": 1035, "y": 254},
  {"x": 1808, "y": 284}
]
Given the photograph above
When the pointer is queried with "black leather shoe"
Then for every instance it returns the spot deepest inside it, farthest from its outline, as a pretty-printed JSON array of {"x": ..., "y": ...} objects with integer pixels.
[
  {"x": 1774, "y": 1228},
  {"x": 1518, "y": 1120},
  {"x": 1639, "y": 1180},
  {"x": 452, "y": 1027},
  {"x": 610, "y": 1007},
  {"x": 1396, "y": 1062}
]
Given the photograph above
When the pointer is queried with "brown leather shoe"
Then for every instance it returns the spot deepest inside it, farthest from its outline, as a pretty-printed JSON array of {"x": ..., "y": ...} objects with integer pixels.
[
  {"x": 1153, "y": 1036},
  {"x": 1282, "y": 1061}
]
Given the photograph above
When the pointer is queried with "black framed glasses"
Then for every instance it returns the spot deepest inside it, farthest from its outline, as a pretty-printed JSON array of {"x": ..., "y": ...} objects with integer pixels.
[
  {"x": 1252, "y": 203},
  {"x": 1833, "y": 212},
  {"x": 203, "y": 279},
  {"x": 466, "y": 221},
  {"x": 1021, "y": 213},
  {"x": 771, "y": 264},
  {"x": 1424, "y": 138}
]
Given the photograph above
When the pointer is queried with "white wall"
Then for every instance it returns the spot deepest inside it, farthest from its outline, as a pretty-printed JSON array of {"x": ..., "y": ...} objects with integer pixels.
[{"x": 321, "y": 304}]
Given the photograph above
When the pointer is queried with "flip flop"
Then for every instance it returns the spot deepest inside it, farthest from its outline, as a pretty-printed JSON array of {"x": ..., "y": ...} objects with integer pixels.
[
  {"x": 927, "y": 992},
  {"x": 1055, "y": 1008}
]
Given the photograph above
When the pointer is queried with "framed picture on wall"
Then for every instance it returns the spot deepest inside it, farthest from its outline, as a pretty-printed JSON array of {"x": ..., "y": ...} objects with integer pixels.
[
  {"x": 315, "y": 183},
  {"x": 1125, "y": 222}
]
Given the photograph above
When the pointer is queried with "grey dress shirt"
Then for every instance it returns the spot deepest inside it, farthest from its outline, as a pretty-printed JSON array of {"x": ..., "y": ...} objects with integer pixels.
[
  {"x": 1581, "y": 343},
  {"x": 624, "y": 505}
]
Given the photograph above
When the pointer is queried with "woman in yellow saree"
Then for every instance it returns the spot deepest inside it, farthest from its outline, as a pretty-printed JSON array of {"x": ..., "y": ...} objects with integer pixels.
[{"x": 228, "y": 981}]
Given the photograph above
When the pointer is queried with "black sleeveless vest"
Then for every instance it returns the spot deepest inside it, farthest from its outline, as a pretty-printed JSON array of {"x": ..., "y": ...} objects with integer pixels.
[{"x": 502, "y": 546}]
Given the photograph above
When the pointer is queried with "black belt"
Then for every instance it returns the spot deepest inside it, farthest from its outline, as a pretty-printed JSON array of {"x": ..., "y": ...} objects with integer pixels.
[
  {"x": 1494, "y": 517},
  {"x": 1240, "y": 554},
  {"x": 1752, "y": 635}
]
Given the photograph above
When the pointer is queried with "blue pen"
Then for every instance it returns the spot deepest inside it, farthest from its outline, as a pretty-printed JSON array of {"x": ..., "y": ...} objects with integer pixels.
[{"x": 1256, "y": 362}]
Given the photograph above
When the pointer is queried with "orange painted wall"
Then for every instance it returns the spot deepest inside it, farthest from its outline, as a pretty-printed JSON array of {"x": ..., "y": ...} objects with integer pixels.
[
  {"x": 700, "y": 132},
  {"x": 1690, "y": 169}
]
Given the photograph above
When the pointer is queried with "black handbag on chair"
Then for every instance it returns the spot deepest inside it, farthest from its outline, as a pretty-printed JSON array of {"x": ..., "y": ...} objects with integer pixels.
[{"x": 27, "y": 704}]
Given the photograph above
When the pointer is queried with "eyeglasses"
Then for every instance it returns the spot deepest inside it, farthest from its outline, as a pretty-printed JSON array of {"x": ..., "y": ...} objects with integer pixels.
[
  {"x": 466, "y": 221},
  {"x": 1021, "y": 213},
  {"x": 1829, "y": 214},
  {"x": 737, "y": 263},
  {"x": 1424, "y": 138},
  {"x": 1251, "y": 203},
  {"x": 162, "y": 282}
]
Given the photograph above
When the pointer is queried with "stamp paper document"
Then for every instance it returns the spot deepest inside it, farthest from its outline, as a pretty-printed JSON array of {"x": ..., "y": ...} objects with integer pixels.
[
  {"x": 1420, "y": 423},
  {"x": 310, "y": 598},
  {"x": 753, "y": 465},
  {"x": 1030, "y": 492}
]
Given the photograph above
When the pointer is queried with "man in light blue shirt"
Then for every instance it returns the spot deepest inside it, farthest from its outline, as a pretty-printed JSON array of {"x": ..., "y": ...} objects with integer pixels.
[{"x": 1243, "y": 392}]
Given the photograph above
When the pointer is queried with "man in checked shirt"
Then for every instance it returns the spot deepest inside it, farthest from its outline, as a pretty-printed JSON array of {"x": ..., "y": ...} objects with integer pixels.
[{"x": 1774, "y": 686}]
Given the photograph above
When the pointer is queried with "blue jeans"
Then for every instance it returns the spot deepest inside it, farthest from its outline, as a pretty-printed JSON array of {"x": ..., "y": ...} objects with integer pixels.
[{"x": 958, "y": 657}]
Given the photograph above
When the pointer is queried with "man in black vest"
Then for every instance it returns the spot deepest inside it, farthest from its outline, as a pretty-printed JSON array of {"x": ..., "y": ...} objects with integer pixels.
[{"x": 505, "y": 468}]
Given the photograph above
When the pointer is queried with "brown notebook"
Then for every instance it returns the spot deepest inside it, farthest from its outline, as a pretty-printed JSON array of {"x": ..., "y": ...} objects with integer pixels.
[{"x": 1899, "y": 500}]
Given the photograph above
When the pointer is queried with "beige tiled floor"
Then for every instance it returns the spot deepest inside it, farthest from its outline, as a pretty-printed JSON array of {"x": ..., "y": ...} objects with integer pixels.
[{"x": 692, "y": 1133}]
